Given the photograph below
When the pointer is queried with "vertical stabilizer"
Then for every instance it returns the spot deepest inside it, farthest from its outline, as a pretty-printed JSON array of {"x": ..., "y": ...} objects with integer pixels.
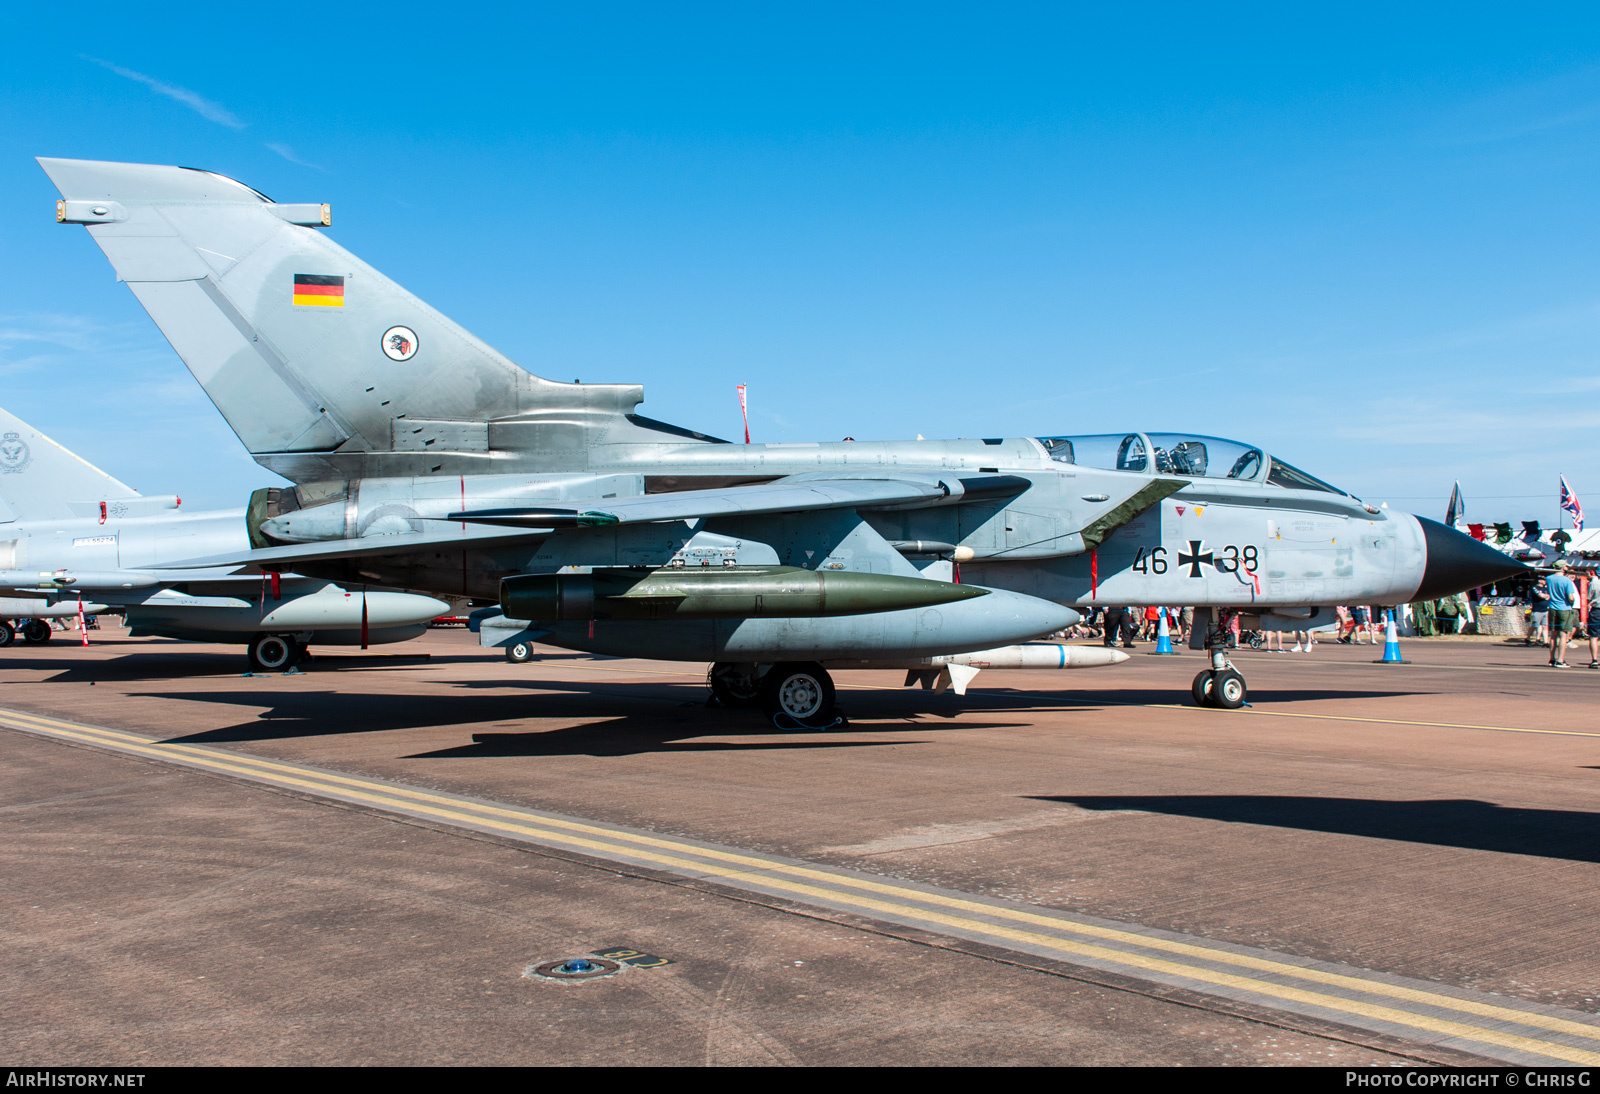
[
  {"x": 304, "y": 348},
  {"x": 40, "y": 480}
]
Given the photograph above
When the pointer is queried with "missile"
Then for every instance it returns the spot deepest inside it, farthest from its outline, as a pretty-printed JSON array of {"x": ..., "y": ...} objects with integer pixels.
[
  {"x": 1037, "y": 656},
  {"x": 1034, "y": 655},
  {"x": 741, "y": 592},
  {"x": 956, "y": 670}
]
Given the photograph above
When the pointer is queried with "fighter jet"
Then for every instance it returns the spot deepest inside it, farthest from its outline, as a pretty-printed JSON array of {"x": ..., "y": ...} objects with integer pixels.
[
  {"x": 69, "y": 532},
  {"x": 422, "y": 458}
]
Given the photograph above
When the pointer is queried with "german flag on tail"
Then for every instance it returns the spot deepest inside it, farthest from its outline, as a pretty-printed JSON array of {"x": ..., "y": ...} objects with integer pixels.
[{"x": 319, "y": 290}]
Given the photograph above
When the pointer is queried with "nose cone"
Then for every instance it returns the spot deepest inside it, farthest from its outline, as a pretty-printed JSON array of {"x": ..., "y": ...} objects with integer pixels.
[{"x": 1457, "y": 562}]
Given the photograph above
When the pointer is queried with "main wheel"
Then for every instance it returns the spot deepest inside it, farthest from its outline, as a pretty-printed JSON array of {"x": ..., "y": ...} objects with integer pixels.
[
  {"x": 8, "y": 633},
  {"x": 800, "y": 690},
  {"x": 519, "y": 653},
  {"x": 272, "y": 652},
  {"x": 36, "y": 632},
  {"x": 1202, "y": 687},
  {"x": 1229, "y": 691},
  {"x": 735, "y": 684}
]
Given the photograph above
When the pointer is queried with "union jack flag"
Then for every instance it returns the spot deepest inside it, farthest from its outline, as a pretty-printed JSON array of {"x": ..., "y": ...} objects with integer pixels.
[{"x": 1569, "y": 502}]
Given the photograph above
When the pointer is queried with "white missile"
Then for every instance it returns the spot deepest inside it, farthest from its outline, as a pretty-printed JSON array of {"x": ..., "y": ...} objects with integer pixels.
[
  {"x": 957, "y": 670},
  {"x": 1037, "y": 655}
]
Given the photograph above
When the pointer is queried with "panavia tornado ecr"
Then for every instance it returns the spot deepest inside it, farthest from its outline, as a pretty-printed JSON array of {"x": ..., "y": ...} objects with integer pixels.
[
  {"x": 424, "y": 459},
  {"x": 71, "y": 533}
]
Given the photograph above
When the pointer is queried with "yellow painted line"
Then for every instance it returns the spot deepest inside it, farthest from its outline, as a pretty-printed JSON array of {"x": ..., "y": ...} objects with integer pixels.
[
  {"x": 615, "y": 842},
  {"x": 1151, "y": 964},
  {"x": 1125, "y": 937}
]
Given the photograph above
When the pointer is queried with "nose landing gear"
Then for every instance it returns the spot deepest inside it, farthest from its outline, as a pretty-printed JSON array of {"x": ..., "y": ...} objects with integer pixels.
[{"x": 1221, "y": 685}]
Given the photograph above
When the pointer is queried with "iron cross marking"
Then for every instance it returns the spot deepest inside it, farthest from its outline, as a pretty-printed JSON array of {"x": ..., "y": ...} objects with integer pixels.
[{"x": 1195, "y": 558}]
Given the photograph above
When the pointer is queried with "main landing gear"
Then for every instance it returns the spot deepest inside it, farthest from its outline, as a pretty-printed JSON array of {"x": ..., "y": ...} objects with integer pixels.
[
  {"x": 34, "y": 632},
  {"x": 1221, "y": 685},
  {"x": 273, "y": 652},
  {"x": 794, "y": 694}
]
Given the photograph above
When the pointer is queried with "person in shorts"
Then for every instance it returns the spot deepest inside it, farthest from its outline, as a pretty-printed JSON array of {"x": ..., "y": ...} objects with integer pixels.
[
  {"x": 1563, "y": 614},
  {"x": 1539, "y": 614},
  {"x": 1363, "y": 617}
]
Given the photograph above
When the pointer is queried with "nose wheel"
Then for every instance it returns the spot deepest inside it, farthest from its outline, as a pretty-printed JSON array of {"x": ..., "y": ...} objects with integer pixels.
[
  {"x": 1224, "y": 689},
  {"x": 1221, "y": 686}
]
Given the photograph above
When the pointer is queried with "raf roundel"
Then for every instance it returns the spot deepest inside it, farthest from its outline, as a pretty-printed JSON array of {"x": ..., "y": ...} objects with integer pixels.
[{"x": 400, "y": 343}]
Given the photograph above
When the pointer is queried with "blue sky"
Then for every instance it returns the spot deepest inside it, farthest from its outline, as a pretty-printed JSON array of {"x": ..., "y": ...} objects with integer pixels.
[{"x": 1365, "y": 240}]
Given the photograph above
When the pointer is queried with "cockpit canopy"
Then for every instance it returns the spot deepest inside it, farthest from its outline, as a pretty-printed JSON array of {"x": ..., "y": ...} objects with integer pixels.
[{"x": 1182, "y": 455}]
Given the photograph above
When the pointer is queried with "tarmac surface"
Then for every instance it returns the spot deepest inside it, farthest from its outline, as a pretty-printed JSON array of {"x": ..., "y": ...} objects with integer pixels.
[{"x": 361, "y": 863}]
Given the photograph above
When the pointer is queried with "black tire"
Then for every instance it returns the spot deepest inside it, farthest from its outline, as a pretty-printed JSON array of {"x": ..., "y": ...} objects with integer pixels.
[
  {"x": 519, "y": 653},
  {"x": 8, "y": 633},
  {"x": 1229, "y": 692},
  {"x": 36, "y": 632},
  {"x": 735, "y": 685},
  {"x": 801, "y": 691},
  {"x": 1257, "y": 640},
  {"x": 272, "y": 652},
  {"x": 1202, "y": 687}
]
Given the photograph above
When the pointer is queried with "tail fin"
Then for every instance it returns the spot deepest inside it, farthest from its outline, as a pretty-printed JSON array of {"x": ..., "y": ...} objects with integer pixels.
[
  {"x": 40, "y": 480},
  {"x": 323, "y": 366}
]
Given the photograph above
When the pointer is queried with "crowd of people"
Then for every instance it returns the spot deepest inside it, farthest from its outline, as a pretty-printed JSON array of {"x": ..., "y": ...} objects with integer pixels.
[
  {"x": 1555, "y": 623},
  {"x": 1127, "y": 626},
  {"x": 1556, "y": 617}
]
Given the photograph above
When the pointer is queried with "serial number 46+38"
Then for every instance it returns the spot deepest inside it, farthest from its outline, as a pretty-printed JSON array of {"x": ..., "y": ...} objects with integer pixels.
[{"x": 1227, "y": 561}]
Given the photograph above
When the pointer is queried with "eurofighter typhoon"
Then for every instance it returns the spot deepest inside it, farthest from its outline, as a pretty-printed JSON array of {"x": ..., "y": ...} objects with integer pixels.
[
  {"x": 424, "y": 459},
  {"x": 71, "y": 534}
]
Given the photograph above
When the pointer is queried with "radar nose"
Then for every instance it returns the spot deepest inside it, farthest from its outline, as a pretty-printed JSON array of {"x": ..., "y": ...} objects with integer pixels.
[{"x": 1457, "y": 562}]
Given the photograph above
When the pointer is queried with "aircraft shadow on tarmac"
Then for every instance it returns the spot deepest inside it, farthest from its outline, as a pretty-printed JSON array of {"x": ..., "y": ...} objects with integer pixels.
[
  {"x": 667, "y": 724},
  {"x": 175, "y": 662},
  {"x": 624, "y": 737},
  {"x": 1465, "y": 823},
  {"x": 619, "y": 717},
  {"x": 895, "y": 702}
]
